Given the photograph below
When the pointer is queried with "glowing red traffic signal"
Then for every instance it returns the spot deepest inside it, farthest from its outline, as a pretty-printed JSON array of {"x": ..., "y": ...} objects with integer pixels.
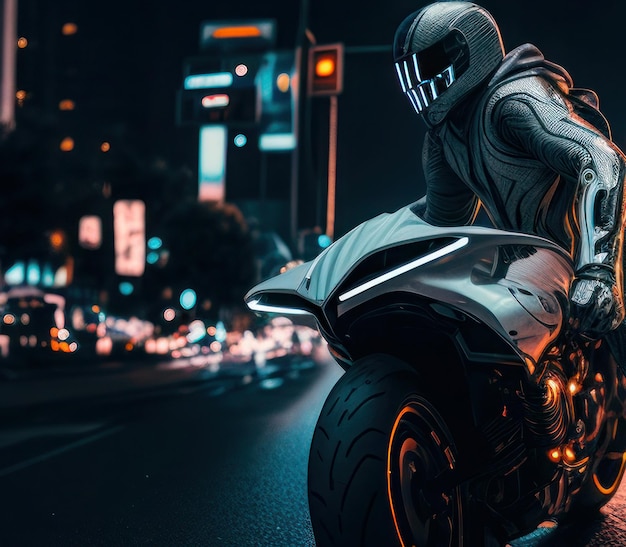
[
  {"x": 324, "y": 67},
  {"x": 325, "y": 70}
]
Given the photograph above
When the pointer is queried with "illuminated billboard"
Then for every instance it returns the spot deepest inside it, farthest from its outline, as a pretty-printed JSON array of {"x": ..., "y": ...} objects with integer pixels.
[
  {"x": 90, "y": 232},
  {"x": 129, "y": 237}
]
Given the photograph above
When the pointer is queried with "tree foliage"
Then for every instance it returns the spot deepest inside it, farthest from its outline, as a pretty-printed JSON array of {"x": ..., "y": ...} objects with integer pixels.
[{"x": 210, "y": 250}]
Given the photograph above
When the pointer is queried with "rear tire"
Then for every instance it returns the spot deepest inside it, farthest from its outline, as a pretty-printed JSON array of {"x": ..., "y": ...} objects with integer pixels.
[
  {"x": 383, "y": 462},
  {"x": 602, "y": 484},
  {"x": 607, "y": 466}
]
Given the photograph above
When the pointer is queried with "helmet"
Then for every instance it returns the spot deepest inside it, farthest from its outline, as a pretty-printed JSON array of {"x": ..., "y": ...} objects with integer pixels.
[{"x": 442, "y": 52}]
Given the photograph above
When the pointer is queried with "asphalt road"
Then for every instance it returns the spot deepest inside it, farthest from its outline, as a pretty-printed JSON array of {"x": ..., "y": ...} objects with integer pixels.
[
  {"x": 196, "y": 463},
  {"x": 207, "y": 463}
]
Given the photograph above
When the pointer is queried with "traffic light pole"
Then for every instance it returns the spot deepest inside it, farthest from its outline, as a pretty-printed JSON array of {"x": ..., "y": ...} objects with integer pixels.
[
  {"x": 332, "y": 167},
  {"x": 300, "y": 65},
  {"x": 295, "y": 153},
  {"x": 325, "y": 79}
]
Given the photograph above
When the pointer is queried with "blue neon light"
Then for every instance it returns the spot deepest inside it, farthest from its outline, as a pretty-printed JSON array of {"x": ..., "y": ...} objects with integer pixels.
[{"x": 208, "y": 81}]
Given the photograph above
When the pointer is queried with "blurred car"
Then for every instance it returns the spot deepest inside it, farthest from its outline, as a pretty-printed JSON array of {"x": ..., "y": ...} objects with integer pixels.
[
  {"x": 29, "y": 319},
  {"x": 86, "y": 328}
]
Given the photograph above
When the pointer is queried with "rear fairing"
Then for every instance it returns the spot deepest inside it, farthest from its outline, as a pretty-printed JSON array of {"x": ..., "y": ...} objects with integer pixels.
[{"x": 501, "y": 294}]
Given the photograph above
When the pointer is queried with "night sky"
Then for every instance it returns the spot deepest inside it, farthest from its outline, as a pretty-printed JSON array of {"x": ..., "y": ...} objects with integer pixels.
[{"x": 379, "y": 137}]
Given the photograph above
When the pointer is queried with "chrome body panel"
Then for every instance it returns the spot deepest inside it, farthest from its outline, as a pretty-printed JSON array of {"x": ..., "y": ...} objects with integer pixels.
[{"x": 515, "y": 284}]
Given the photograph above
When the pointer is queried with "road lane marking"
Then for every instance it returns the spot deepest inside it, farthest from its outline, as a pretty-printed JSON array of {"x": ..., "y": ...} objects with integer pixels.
[
  {"x": 20, "y": 434},
  {"x": 57, "y": 451}
]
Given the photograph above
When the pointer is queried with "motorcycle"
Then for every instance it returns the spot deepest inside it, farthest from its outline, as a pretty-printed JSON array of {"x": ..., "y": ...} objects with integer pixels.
[{"x": 468, "y": 414}]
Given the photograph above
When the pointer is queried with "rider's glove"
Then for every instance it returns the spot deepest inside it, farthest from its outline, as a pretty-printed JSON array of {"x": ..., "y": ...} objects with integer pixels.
[{"x": 595, "y": 302}]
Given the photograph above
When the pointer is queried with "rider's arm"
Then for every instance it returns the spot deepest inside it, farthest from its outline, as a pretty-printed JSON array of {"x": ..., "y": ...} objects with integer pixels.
[
  {"x": 449, "y": 202},
  {"x": 543, "y": 124}
]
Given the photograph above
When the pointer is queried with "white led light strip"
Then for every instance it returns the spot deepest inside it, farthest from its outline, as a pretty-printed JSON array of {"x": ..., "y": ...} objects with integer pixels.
[
  {"x": 458, "y": 244},
  {"x": 255, "y": 306}
]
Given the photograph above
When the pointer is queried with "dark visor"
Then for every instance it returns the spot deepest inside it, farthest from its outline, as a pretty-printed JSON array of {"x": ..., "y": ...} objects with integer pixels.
[{"x": 435, "y": 59}]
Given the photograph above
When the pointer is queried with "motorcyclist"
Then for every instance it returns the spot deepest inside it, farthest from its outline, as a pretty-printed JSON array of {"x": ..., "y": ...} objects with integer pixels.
[{"x": 510, "y": 133}]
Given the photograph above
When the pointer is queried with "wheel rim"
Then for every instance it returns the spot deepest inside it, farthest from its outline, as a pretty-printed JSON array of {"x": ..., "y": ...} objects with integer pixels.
[
  {"x": 608, "y": 475},
  {"x": 425, "y": 504}
]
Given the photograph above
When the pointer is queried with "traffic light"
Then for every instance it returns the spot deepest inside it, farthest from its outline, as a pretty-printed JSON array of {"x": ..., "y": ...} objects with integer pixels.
[{"x": 325, "y": 75}]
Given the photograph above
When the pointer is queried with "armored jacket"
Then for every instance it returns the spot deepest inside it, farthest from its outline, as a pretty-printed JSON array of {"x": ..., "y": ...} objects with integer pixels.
[{"x": 537, "y": 154}]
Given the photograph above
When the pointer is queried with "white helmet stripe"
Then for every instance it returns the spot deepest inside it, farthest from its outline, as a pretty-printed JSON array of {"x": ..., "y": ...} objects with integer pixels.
[
  {"x": 400, "y": 77},
  {"x": 423, "y": 94},
  {"x": 448, "y": 75},
  {"x": 408, "y": 76},
  {"x": 416, "y": 101},
  {"x": 417, "y": 68},
  {"x": 433, "y": 88}
]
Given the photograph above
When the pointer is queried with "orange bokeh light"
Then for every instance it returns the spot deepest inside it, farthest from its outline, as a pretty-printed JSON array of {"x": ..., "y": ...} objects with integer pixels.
[
  {"x": 69, "y": 28},
  {"x": 67, "y": 144},
  {"x": 66, "y": 104}
]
